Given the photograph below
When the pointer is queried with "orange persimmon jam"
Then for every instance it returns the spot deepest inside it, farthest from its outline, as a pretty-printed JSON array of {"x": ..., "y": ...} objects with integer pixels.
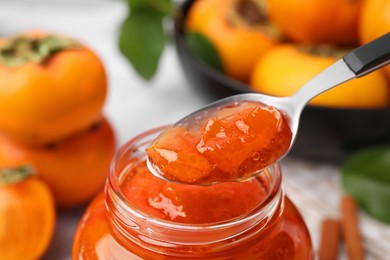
[
  {"x": 189, "y": 203},
  {"x": 233, "y": 142},
  {"x": 140, "y": 216}
]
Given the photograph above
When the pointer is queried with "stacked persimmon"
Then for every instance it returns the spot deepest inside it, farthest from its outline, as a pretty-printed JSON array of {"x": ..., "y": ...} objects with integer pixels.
[
  {"x": 55, "y": 144},
  {"x": 277, "y": 46}
]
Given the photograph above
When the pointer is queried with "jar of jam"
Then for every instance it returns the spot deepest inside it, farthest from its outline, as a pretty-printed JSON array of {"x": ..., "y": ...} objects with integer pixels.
[{"x": 142, "y": 217}]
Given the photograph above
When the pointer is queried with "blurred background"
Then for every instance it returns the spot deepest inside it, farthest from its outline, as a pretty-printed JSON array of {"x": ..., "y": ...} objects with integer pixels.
[{"x": 135, "y": 105}]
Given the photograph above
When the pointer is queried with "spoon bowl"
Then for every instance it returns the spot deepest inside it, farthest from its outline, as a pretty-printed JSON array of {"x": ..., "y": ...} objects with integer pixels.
[{"x": 356, "y": 63}]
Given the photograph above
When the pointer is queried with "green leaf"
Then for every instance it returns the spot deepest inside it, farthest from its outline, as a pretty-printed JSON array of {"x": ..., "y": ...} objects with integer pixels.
[
  {"x": 366, "y": 176},
  {"x": 142, "y": 40},
  {"x": 203, "y": 49},
  {"x": 135, "y": 5},
  {"x": 164, "y": 7}
]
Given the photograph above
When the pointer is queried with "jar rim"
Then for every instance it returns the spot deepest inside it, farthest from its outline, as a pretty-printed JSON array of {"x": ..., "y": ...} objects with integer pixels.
[{"x": 268, "y": 205}]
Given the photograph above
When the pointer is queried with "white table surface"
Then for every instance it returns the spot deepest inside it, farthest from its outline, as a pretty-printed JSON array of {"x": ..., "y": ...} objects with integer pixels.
[{"x": 134, "y": 105}]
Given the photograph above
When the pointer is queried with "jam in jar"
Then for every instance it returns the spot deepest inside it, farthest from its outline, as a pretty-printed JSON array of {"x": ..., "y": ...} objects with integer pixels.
[{"x": 142, "y": 217}]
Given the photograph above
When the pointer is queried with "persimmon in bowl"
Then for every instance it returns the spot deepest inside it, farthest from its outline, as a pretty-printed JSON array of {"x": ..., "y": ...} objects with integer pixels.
[{"x": 347, "y": 118}]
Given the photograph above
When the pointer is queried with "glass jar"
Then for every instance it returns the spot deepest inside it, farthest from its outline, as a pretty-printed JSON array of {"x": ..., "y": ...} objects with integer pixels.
[{"x": 142, "y": 217}]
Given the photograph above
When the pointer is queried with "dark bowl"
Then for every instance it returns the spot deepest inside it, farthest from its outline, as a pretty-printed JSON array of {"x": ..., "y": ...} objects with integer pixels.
[{"x": 324, "y": 133}]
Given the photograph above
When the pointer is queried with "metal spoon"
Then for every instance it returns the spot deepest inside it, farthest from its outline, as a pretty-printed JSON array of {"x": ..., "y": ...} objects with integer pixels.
[{"x": 354, "y": 64}]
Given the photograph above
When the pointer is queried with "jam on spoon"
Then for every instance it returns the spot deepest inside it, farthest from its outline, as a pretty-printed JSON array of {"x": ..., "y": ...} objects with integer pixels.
[{"x": 230, "y": 143}]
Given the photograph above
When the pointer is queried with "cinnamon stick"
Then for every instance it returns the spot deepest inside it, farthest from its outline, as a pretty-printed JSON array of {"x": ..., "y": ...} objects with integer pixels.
[
  {"x": 330, "y": 239},
  {"x": 350, "y": 228}
]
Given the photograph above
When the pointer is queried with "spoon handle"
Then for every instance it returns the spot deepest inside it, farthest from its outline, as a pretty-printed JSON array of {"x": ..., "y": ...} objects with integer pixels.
[
  {"x": 354, "y": 64},
  {"x": 369, "y": 57}
]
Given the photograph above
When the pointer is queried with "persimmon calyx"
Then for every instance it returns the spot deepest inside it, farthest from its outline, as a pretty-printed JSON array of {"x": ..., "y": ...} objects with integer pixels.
[
  {"x": 324, "y": 50},
  {"x": 22, "y": 49},
  {"x": 15, "y": 174},
  {"x": 252, "y": 14}
]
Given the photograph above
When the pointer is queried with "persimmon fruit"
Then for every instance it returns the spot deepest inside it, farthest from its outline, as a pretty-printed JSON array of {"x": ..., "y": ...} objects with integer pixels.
[
  {"x": 75, "y": 169},
  {"x": 238, "y": 29},
  {"x": 51, "y": 87},
  {"x": 317, "y": 21},
  {"x": 27, "y": 214},
  {"x": 375, "y": 22},
  {"x": 286, "y": 68}
]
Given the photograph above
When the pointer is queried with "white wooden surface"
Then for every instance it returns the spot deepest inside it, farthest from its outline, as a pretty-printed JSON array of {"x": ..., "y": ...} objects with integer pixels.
[{"x": 134, "y": 105}]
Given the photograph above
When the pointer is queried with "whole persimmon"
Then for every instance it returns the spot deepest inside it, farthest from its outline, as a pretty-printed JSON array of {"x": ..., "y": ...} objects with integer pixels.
[
  {"x": 27, "y": 214},
  {"x": 238, "y": 29},
  {"x": 317, "y": 21},
  {"x": 375, "y": 22},
  {"x": 286, "y": 68},
  {"x": 75, "y": 168},
  {"x": 51, "y": 87}
]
